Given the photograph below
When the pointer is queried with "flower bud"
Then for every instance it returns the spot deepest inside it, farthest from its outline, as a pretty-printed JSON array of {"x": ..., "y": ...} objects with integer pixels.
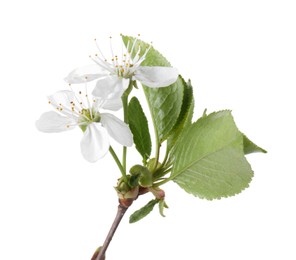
[
  {"x": 143, "y": 174},
  {"x": 151, "y": 164}
]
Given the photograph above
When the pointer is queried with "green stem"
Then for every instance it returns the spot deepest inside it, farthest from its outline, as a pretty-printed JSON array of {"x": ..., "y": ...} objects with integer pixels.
[
  {"x": 156, "y": 154},
  {"x": 115, "y": 157},
  {"x": 157, "y": 143},
  {"x": 165, "y": 157},
  {"x": 161, "y": 182},
  {"x": 124, "y": 99}
]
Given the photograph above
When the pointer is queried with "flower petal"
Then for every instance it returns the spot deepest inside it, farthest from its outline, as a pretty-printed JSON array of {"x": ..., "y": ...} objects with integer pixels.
[
  {"x": 156, "y": 77},
  {"x": 52, "y": 122},
  {"x": 117, "y": 129},
  {"x": 63, "y": 100},
  {"x": 109, "y": 104},
  {"x": 110, "y": 87},
  {"x": 95, "y": 143},
  {"x": 86, "y": 74}
]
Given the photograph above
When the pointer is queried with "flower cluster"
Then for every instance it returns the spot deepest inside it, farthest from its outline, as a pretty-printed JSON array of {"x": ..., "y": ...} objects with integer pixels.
[{"x": 77, "y": 108}]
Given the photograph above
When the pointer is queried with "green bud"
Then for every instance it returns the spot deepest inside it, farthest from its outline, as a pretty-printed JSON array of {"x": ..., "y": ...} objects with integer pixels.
[
  {"x": 132, "y": 194},
  {"x": 145, "y": 179},
  {"x": 136, "y": 169},
  {"x": 122, "y": 187},
  {"x": 125, "y": 191},
  {"x": 143, "y": 175},
  {"x": 151, "y": 164}
]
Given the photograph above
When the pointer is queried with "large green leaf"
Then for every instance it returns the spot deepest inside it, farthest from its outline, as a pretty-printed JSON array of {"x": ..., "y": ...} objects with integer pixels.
[
  {"x": 209, "y": 159},
  {"x": 250, "y": 147},
  {"x": 185, "y": 115},
  {"x": 143, "y": 212},
  {"x": 164, "y": 103},
  {"x": 139, "y": 126}
]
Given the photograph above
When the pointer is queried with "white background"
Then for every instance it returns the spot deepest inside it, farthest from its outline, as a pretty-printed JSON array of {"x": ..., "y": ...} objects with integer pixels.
[{"x": 239, "y": 55}]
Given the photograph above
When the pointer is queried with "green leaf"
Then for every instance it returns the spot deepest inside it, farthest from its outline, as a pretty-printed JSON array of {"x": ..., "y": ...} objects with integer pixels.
[
  {"x": 165, "y": 106},
  {"x": 153, "y": 58},
  {"x": 164, "y": 103},
  {"x": 250, "y": 147},
  {"x": 143, "y": 212},
  {"x": 185, "y": 115},
  {"x": 139, "y": 126},
  {"x": 209, "y": 159},
  {"x": 162, "y": 205}
]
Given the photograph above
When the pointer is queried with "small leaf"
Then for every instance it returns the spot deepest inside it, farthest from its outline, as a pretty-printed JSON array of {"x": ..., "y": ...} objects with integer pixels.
[
  {"x": 250, "y": 147},
  {"x": 139, "y": 126},
  {"x": 164, "y": 103},
  {"x": 209, "y": 158},
  {"x": 162, "y": 205},
  {"x": 165, "y": 106},
  {"x": 185, "y": 115},
  {"x": 143, "y": 212}
]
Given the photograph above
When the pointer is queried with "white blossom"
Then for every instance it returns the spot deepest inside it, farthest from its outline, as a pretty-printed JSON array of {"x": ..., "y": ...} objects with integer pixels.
[
  {"x": 113, "y": 76},
  {"x": 77, "y": 110}
]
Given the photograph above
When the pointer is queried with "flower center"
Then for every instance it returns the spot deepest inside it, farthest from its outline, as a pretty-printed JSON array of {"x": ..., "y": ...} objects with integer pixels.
[
  {"x": 87, "y": 117},
  {"x": 123, "y": 69},
  {"x": 126, "y": 65}
]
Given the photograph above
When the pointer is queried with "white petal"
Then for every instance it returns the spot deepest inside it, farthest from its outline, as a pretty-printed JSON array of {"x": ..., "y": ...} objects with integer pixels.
[
  {"x": 156, "y": 77},
  {"x": 52, "y": 122},
  {"x": 62, "y": 100},
  {"x": 95, "y": 143},
  {"x": 110, "y": 87},
  {"x": 111, "y": 104},
  {"x": 117, "y": 129},
  {"x": 86, "y": 74}
]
